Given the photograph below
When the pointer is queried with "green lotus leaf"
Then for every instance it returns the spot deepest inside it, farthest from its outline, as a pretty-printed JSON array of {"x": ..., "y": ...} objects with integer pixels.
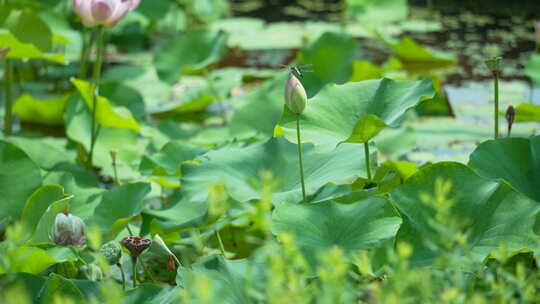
[
  {"x": 19, "y": 178},
  {"x": 47, "y": 112},
  {"x": 488, "y": 212},
  {"x": 118, "y": 206},
  {"x": 532, "y": 68},
  {"x": 516, "y": 160},
  {"x": 527, "y": 112},
  {"x": 377, "y": 11},
  {"x": 355, "y": 226},
  {"x": 331, "y": 56},
  {"x": 239, "y": 170},
  {"x": 194, "y": 50},
  {"x": 25, "y": 51},
  {"x": 29, "y": 28},
  {"x": 106, "y": 115},
  {"x": 355, "y": 112}
]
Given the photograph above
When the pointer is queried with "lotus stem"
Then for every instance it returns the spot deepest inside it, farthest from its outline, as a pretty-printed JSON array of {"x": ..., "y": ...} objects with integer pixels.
[
  {"x": 496, "y": 111},
  {"x": 123, "y": 276},
  {"x": 97, "y": 78},
  {"x": 134, "y": 270},
  {"x": 221, "y": 246},
  {"x": 8, "y": 94},
  {"x": 300, "y": 158},
  {"x": 368, "y": 162},
  {"x": 88, "y": 41}
]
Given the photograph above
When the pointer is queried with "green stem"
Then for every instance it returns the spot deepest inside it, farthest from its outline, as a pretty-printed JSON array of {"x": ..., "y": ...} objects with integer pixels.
[
  {"x": 97, "y": 77},
  {"x": 129, "y": 229},
  {"x": 343, "y": 15},
  {"x": 221, "y": 247},
  {"x": 123, "y": 276},
  {"x": 368, "y": 162},
  {"x": 134, "y": 271},
  {"x": 496, "y": 114},
  {"x": 116, "y": 179},
  {"x": 8, "y": 94},
  {"x": 300, "y": 158},
  {"x": 85, "y": 52}
]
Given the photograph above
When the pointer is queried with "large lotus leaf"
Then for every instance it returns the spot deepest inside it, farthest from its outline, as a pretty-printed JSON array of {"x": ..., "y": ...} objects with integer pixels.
[
  {"x": 25, "y": 51},
  {"x": 78, "y": 120},
  {"x": 239, "y": 168},
  {"x": 377, "y": 11},
  {"x": 42, "y": 231},
  {"x": 532, "y": 69},
  {"x": 29, "y": 28},
  {"x": 191, "y": 51},
  {"x": 527, "y": 112},
  {"x": 318, "y": 227},
  {"x": 46, "y": 152},
  {"x": 124, "y": 96},
  {"x": 47, "y": 112},
  {"x": 257, "y": 112},
  {"x": 28, "y": 259},
  {"x": 418, "y": 59},
  {"x": 516, "y": 160},
  {"x": 332, "y": 56},
  {"x": 355, "y": 112},
  {"x": 19, "y": 178},
  {"x": 32, "y": 284},
  {"x": 490, "y": 212},
  {"x": 118, "y": 206},
  {"x": 59, "y": 287},
  {"x": 107, "y": 115},
  {"x": 164, "y": 166}
]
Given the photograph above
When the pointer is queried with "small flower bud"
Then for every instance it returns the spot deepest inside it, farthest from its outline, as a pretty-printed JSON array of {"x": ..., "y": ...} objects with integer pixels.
[
  {"x": 111, "y": 252},
  {"x": 114, "y": 153},
  {"x": 295, "y": 95},
  {"x": 136, "y": 245},
  {"x": 3, "y": 53},
  {"x": 510, "y": 117},
  {"x": 68, "y": 230},
  {"x": 494, "y": 65},
  {"x": 91, "y": 272},
  {"x": 103, "y": 12}
]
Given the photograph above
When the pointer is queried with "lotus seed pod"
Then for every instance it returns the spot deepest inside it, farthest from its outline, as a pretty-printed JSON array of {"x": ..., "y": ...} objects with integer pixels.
[
  {"x": 3, "y": 53},
  {"x": 103, "y": 12},
  {"x": 91, "y": 272},
  {"x": 68, "y": 230},
  {"x": 111, "y": 252},
  {"x": 295, "y": 95},
  {"x": 494, "y": 65},
  {"x": 136, "y": 245}
]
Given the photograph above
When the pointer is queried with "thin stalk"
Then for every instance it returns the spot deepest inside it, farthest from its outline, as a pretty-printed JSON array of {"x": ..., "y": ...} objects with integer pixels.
[
  {"x": 221, "y": 247},
  {"x": 343, "y": 15},
  {"x": 123, "y": 276},
  {"x": 509, "y": 132},
  {"x": 8, "y": 94},
  {"x": 116, "y": 179},
  {"x": 88, "y": 41},
  {"x": 129, "y": 229},
  {"x": 368, "y": 162},
  {"x": 97, "y": 78},
  {"x": 496, "y": 113},
  {"x": 300, "y": 158},
  {"x": 134, "y": 271}
]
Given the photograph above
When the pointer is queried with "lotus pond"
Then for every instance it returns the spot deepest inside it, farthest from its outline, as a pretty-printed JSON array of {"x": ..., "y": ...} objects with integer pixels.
[{"x": 214, "y": 151}]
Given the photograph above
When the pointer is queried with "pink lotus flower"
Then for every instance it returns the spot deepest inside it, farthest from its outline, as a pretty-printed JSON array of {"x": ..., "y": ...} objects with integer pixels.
[{"x": 103, "y": 12}]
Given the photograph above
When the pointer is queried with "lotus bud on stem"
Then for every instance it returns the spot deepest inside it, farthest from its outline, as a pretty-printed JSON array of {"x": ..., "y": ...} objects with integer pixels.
[
  {"x": 494, "y": 65},
  {"x": 112, "y": 253},
  {"x": 296, "y": 99},
  {"x": 68, "y": 230},
  {"x": 510, "y": 118},
  {"x": 136, "y": 245}
]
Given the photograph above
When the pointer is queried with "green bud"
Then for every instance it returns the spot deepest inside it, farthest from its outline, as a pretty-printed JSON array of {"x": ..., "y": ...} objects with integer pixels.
[
  {"x": 111, "y": 252},
  {"x": 494, "y": 65},
  {"x": 68, "y": 230},
  {"x": 295, "y": 95},
  {"x": 91, "y": 272}
]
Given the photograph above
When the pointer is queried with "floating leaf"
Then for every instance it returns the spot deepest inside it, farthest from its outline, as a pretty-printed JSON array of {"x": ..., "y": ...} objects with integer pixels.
[
  {"x": 527, "y": 112},
  {"x": 26, "y": 51},
  {"x": 191, "y": 51},
  {"x": 47, "y": 112},
  {"x": 532, "y": 68}
]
